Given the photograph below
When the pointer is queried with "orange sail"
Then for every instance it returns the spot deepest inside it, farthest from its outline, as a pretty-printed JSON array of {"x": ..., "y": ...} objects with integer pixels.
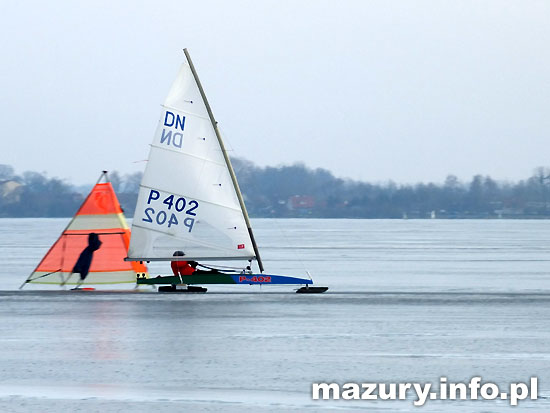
[{"x": 101, "y": 214}]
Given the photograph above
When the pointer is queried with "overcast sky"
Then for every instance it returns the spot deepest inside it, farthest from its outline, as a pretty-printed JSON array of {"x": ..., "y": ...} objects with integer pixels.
[{"x": 371, "y": 90}]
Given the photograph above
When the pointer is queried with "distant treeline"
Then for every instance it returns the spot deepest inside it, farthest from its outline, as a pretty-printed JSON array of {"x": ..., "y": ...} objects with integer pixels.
[
  {"x": 298, "y": 191},
  {"x": 33, "y": 194}
]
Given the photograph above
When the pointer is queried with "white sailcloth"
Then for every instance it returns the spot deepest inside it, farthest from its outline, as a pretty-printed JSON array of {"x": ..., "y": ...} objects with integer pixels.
[{"x": 187, "y": 200}]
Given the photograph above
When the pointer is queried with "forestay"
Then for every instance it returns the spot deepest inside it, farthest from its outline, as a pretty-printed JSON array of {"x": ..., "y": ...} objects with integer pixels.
[{"x": 187, "y": 200}]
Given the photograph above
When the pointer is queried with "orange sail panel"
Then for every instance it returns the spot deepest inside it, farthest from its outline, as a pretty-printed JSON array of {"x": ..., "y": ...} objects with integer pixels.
[{"x": 101, "y": 214}]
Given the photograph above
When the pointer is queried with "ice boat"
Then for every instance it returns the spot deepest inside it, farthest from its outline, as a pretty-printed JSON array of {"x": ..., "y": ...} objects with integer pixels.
[
  {"x": 189, "y": 200},
  {"x": 99, "y": 214}
]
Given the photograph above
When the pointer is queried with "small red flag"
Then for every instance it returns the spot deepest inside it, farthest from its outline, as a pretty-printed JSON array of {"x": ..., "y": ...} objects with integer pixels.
[{"x": 240, "y": 246}]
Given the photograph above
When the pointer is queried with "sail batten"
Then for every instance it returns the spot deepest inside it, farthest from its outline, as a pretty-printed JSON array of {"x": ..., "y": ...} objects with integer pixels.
[
  {"x": 187, "y": 112},
  {"x": 202, "y": 200},
  {"x": 191, "y": 155}
]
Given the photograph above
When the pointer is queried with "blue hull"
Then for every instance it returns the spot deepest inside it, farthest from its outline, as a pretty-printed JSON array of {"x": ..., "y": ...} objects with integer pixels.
[{"x": 268, "y": 279}]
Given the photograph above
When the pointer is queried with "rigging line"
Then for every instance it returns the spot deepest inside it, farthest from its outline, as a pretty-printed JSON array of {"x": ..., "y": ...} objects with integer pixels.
[
  {"x": 44, "y": 275},
  {"x": 213, "y": 266},
  {"x": 226, "y": 269},
  {"x": 294, "y": 250},
  {"x": 222, "y": 131},
  {"x": 226, "y": 140}
]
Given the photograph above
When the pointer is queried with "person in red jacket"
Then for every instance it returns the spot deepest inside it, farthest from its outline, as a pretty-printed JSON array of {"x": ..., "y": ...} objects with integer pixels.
[{"x": 180, "y": 268}]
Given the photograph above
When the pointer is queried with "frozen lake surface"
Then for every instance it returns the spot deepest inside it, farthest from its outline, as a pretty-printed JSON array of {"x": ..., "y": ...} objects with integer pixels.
[{"x": 408, "y": 301}]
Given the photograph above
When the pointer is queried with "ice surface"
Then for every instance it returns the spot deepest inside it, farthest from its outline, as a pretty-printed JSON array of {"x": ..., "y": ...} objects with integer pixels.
[{"x": 408, "y": 301}]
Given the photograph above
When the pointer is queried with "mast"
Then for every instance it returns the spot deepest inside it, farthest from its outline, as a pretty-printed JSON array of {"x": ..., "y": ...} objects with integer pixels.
[{"x": 227, "y": 161}]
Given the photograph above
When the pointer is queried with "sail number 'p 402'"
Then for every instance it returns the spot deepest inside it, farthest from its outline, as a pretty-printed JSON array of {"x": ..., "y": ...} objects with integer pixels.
[{"x": 166, "y": 211}]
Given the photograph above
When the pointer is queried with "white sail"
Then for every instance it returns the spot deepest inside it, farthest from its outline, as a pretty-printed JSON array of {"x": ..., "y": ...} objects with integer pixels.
[{"x": 187, "y": 200}]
